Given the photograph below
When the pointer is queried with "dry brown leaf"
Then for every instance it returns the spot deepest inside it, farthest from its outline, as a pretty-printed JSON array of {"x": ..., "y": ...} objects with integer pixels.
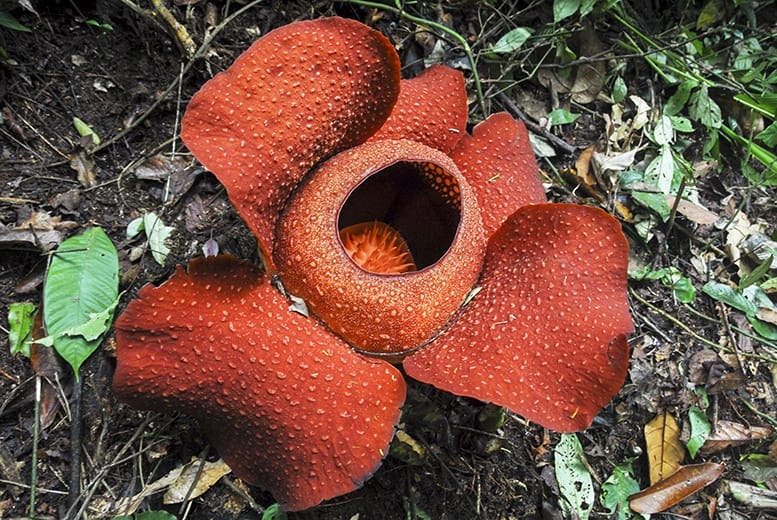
[
  {"x": 664, "y": 450},
  {"x": 589, "y": 78},
  {"x": 84, "y": 167},
  {"x": 40, "y": 230},
  {"x": 586, "y": 80},
  {"x": 728, "y": 433},
  {"x": 46, "y": 364},
  {"x": 686, "y": 481},
  {"x": 693, "y": 212},
  {"x": 583, "y": 169}
]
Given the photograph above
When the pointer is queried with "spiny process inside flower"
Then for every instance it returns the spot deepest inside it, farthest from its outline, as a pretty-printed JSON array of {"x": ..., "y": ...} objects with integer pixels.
[
  {"x": 402, "y": 218},
  {"x": 377, "y": 248}
]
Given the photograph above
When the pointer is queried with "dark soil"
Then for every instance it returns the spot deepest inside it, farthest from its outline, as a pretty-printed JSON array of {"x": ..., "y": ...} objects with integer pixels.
[{"x": 65, "y": 67}]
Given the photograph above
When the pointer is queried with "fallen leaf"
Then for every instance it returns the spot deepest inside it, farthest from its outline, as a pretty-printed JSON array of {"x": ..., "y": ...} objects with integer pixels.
[
  {"x": 195, "y": 479},
  {"x": 128, "y": 505},
  {"x": 667, "y": 492},
  {"x": 753, "y": 496},
  {"x": 584, "y": 172},
  {"x": 692, "y": 211},
  {"x": 46, "y": 364},
  {"x": 19, "y": 238},
  {"x": 729, "y": 433},
  {"x": 664, "y": 450},
  {"x": 157, "y": 233},
  {"x": 84, "y": 167},
  {"x": 767, "y": 315},
  {"x": 585, "y": 81}
]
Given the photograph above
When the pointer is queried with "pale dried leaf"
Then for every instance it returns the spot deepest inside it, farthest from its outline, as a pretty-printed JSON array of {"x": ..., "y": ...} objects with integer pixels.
[
  {"x": 767, "y": 315},
  {"x": 128, "y": 505},
  {"x": 616, "y": 162},
  {"x": 664, "y": 450},
  {"x": 643, "y": 113},
  {"x": 692, "y": 211},
  {"x": 192, "y": 482}
]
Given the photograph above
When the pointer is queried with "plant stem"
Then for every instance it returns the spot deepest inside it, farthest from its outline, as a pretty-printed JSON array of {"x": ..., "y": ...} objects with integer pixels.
[
  {"x": 35, "y": 439},
  {"x": 75, "y": 446}
]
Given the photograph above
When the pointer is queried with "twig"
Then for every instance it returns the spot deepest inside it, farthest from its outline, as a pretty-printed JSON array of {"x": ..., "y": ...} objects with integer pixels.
[
  {"x": 673, "y": 213},
  {"x": 180, "y": 32},
  {"x": 677, "y": 322},
  {"x": 534, "y": 127},
  {"x": 209, "y": 37}
]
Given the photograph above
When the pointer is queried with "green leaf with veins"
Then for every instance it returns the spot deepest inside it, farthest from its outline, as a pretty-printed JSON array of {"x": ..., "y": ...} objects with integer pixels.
[{"x": 80, "y": 294}]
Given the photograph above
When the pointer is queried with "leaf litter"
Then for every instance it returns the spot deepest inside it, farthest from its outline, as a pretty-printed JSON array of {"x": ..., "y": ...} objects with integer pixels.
[{"x": 687, "y": 339}]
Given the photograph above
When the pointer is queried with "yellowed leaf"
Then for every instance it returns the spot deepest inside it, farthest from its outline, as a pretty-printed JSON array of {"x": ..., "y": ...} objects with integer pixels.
[{"x": 664, "y": 450}]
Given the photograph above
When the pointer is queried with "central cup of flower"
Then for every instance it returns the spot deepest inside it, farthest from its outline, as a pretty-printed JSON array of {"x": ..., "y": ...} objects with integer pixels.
[{"x": 396, "y": 221}]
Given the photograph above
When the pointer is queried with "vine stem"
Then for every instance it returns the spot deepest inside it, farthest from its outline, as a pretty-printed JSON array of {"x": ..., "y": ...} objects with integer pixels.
[{"x": 442, "y": 28}]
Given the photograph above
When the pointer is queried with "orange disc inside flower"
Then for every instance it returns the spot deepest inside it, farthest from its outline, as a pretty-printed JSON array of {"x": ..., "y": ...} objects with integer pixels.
[
  {"x": 383, "y": 242},
  {"x": 378, "y": 248}
]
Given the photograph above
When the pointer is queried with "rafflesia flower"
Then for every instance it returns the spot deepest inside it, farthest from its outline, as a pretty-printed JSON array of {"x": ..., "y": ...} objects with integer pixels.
[{"x": 410, "y": 241}]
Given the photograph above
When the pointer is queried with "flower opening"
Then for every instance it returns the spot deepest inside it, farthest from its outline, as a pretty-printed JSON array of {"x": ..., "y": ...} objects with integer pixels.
[{"x": 418, "y": 202}]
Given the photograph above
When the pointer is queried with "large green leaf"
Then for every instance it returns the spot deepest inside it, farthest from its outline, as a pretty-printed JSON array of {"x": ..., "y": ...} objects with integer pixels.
[{"x": 80, "y": 293}]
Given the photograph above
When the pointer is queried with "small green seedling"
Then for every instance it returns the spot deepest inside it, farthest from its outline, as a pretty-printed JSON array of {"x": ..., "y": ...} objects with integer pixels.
[
  {"x": 85, "y": 130},
  {"x": 157, "y": 234},
  {"x": 21, "y": 317}
]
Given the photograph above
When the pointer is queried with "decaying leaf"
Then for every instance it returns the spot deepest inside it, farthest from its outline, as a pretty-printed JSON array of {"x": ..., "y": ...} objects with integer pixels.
[
  {"x": 753, "y": 496},
  {"x": 195, "y": 479},
  {"x": 39, "y": 231},
  {"x": 684, "y": 482},
  {"x": 574, "y": 480},
  {"x": 664, "y": 450},
  {"x": 407, "y": 449},
  {"x": 84, "y": 167},
  {"x": 46, "y": 364},
  {"x": 128, "y": 505},
  {"x": 759, "y": 467},
  {"x": 729, "y": 433},
  {"x": 692, "y": 211},
  {"x": 586, "y": 80},
  {"x": 174, "y": 171}
]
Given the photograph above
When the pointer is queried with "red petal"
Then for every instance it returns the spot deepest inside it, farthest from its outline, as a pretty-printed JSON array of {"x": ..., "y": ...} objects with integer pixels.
[
  {"x": 431, "y": 109},
  {"x": 288, "y": 406},
  {"x": 300, "y": 94},
  {"x": 499, "y": 164},
  {"x": 546, "y": 335}
]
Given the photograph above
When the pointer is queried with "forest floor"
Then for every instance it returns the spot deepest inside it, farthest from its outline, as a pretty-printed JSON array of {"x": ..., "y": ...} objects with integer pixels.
[{"x": 694, "y": 357}]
